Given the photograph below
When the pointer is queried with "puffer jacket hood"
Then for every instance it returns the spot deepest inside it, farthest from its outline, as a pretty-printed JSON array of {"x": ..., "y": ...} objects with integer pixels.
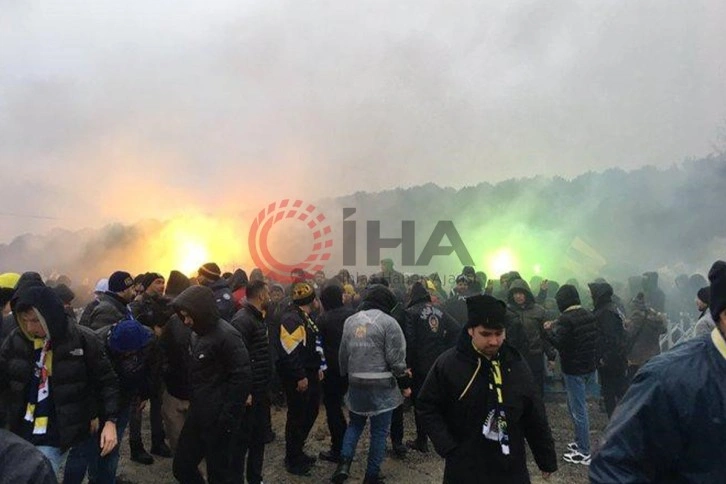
[
  {"x": 176, "y": 284},
  {"x": 522, "y": 286},
  {"x": 47, "y": 302},
  {"x": 332, "y": 297},
  {"x": 567, "y": 297},
  {"x": 419, "y": 294},
  {"x": 201, "y": 305},
  {"x": 26, "y": 281},
  {"x": 379, "y": 297},
  {"x": 602, "y": 294}
]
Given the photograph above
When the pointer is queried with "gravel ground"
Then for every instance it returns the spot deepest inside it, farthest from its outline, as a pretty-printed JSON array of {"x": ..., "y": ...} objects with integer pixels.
[{"x": 417, "y": 468}]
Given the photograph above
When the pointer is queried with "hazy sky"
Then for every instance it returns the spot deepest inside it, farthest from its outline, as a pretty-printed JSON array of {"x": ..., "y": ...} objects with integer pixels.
[{"x": 126, "y": 110}]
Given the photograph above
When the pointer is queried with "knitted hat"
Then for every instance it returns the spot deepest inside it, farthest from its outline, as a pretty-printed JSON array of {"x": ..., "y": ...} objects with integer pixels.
[
  {"x": 127, "y": 335},
  {"x": 101, "y": 285},
  {"x": 210, "y": 270},
  {"x": 302, "y": 293},
  {"x": 485, "y": 310},
  {"x": 149, "y": 279},
  {"x": 717, "y": 277},
  {"x": 120, "y": 281}
]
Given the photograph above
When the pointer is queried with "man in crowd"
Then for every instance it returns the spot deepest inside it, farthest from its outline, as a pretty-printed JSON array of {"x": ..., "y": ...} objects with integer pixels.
[
  {"x": 644, "y": 327},
  {"x": 210, "y": 275},
  {"x": 479, "y": 403},
  {"x": 113, "y": 304},
  {"x": 52, "y": 373},
  {"x": 249, "y": 321},
  {"x": 301, "y": 370},
  {"x": 669, "y": 427},
  {"x": 575, "y": 335},
  {"x": 334, "y": 385},
  {"x": 429, "y": 332},
  {"x": 220, "y": 380}
]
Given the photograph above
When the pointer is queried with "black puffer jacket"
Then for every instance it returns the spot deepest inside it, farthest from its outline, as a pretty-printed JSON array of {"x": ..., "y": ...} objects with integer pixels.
[
  {"x": 220, "y": 374},
  {"x": 331, "y": 324},
  {"x": 22, "y": 463},
  {"x": 152, "y": 310},
  {"x": 82, "y": 379},
  {"x": 251, "y": 325},
  {"x": 453, "y": 405},
  {"x": 110, "y": 310},
  {"x": 429, "y": 332},
  {"x": 613, "y": 340},
  {"x": 175, "y": 358},
  {"x": 223, "y": 298},
  {"x": 574, "y": 334},
  {"x": 296, "y": 345}
]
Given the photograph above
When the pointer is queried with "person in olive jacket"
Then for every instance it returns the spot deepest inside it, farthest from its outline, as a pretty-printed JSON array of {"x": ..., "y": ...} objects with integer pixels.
[
  {"x": 221, "y": 381},
  {"x": 479, "y": 404}
]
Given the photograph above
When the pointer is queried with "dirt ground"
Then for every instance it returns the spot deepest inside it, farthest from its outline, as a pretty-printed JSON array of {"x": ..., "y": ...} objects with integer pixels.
[{"x": 416, "y": 468}]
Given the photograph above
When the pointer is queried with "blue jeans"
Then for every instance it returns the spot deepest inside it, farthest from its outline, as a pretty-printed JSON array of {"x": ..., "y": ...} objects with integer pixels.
[
  {"x": 380, "y": 426},
  {"x": 577, "y": 405},
  {"x": 54, "y": 455},
  {"x": 87, "y": 455}
]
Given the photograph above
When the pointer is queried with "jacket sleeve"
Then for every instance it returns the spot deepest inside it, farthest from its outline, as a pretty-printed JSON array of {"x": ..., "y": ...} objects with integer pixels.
[
  {"x": 452, "y": 330},
  {"x": 103, "y": 315},
  {"x": 536, "y": 427},
  {"x": 395, "y": 347},
  {"x": 239, "y": 323},
  {"x": 410, "y": 333},
  {"x": 343, "y": 353},
  {"x": 559, "y": 334},
  {"x": 430, "y": 404},
  {"x": 101, "y": 375},
  {"x": 643, "y": 435},
  {"x": 236, "y": 361}
]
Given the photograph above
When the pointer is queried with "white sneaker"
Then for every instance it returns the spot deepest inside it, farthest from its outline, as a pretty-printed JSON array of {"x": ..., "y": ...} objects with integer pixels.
[
  {"x": 572, "y": 447},
  {"x": 576, "y": 457}
]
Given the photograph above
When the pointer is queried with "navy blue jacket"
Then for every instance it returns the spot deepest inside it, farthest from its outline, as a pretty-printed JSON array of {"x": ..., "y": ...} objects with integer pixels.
[{"x": 671, "y": 425}]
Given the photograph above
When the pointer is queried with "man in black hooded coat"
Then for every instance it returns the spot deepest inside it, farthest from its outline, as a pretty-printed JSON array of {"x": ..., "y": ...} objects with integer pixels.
[
  {"x": 429, "y": 332},
  {"x": 479, "y": 403}
]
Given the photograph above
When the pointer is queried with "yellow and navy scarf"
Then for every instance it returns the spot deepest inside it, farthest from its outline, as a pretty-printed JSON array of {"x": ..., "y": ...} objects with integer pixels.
[
  {"x": 495, "y": 425},
  {"x": 39, "y": 404}
]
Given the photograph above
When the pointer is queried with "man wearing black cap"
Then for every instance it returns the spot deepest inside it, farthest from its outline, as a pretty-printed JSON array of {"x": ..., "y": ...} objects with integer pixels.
[
  {"x": 152, "y": 309},
  {"x": 301, "y": 368},
  {"x": 670, "y": 425},
  {"x": 210, "y": 275},
  {"x": 113, "y": 304},
  {"x": 479, "y": 403}
]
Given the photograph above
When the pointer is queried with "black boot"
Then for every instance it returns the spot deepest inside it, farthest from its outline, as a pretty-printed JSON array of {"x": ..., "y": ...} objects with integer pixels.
[
  {"x": 139, "y": 454},
  {"x": 374, "y": 479},
  {"x": 162, "y": 450},
  {"x": 330, "y": 456},
  {"x": 342, "y": 472}
]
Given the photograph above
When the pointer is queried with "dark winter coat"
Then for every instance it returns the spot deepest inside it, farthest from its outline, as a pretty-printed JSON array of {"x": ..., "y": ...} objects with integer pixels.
[
  {"x": 644, "y": 327},
  {"x": 429, "y": 332},
  {"x": 223, "y": 298},
  {"x": 455, "y": 307},
  {"x": 110, "y": 310},
  {"x": 612, "y": 341},
  {"x": 453, "y": 405},
  {"x": 133, "y": 370},
  {"x": 530, "y": 318},
  {"x": 250, "y": 323},
  {"x": 574, "y": 334},
  {"x": 654, "y": 296},
  {"x": 176, "y": 360},
  {"x": 220, "y": 376},
  {"x": 331, "y": 324},
  {"x": 22, "y": 463},
  {"x": 296, "y": 346},
  {"x": 152, "y": 310},
  {"x": 82, "y": 382},
  {"x": 670, "y": 427}
]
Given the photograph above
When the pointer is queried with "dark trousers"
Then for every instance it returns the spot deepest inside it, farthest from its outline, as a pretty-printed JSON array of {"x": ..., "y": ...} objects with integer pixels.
[
  {"x": 536, "y": 364},
  {"x": 251, "y": 442},
  {"x": 415, "y": 389},
  {"x": 397, "y": 425},
  {"x": 302, "y": 410},
  {"x": 157, "y": 426},
  {"x": 613, "y": 383},
  {"x": 197, "y": 442},
  {"x": 334, "y": 388}
]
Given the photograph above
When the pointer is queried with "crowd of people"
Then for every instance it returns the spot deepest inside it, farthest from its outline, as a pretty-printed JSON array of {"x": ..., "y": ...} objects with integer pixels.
[{"x": 210, "y": 354}]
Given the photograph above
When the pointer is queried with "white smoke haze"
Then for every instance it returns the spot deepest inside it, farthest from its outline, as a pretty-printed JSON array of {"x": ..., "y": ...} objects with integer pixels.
[{"x": 183, "y": 111}]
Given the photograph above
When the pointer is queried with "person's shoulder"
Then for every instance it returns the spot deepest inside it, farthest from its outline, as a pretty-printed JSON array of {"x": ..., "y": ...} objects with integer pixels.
[{"x": 683, "y": 365}]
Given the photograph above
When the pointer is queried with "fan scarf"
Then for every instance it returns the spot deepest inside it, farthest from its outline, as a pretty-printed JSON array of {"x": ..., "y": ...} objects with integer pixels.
[
  {"x": 38, "y": 408},
  {"x": 495, "y": 425}
]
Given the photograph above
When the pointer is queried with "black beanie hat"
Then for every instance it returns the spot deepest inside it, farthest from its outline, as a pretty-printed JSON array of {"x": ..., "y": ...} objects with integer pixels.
[
  {"x": 149, "y": 278},
  {"x": 119, "y": 281},
  {"x": 485, "y": 310},
  {"x": 717, "y": 277},
  {"x": 210, "y": 270}
]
